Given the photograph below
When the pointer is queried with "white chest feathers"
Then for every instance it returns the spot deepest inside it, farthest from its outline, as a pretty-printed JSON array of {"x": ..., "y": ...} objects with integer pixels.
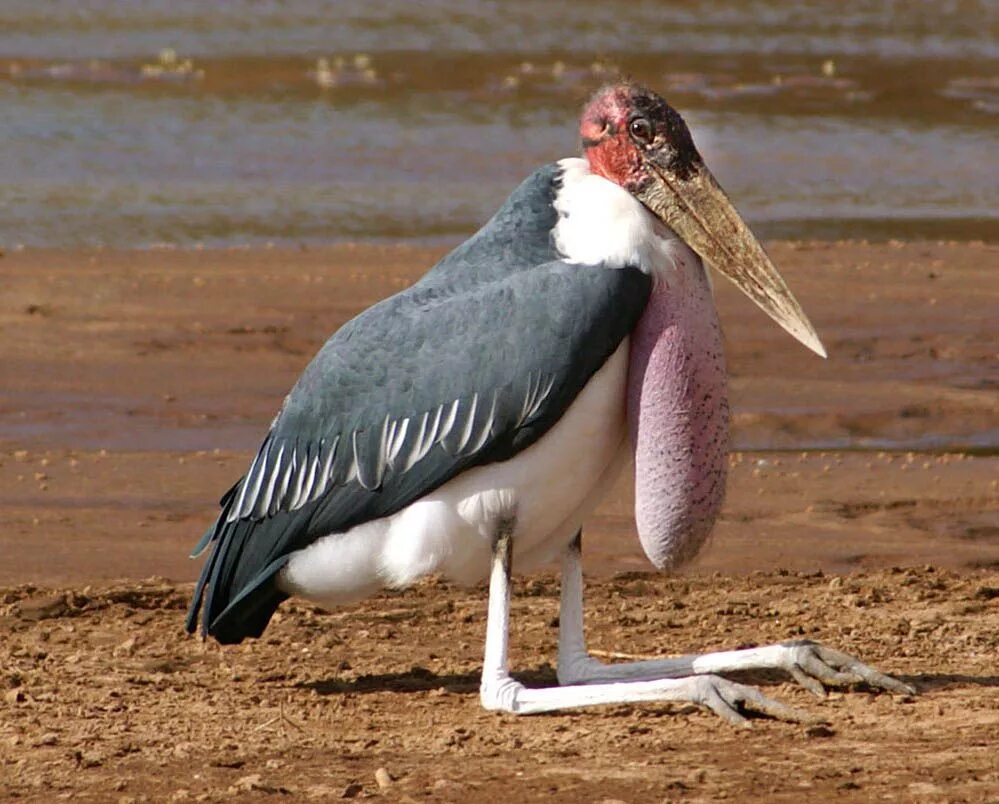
[{"x": 601, "y": 223}]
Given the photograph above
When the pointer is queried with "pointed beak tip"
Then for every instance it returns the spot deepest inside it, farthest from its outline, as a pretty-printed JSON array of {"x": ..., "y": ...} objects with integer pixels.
[
  {"x": 813, "y": 343},
  {"x": 701, "y": 215}
]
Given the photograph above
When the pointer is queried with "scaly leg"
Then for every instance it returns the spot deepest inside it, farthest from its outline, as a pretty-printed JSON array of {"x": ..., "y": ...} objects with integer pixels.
[
  {"x": 498, "y": 691},
  {"x": 808, "y": 663}
]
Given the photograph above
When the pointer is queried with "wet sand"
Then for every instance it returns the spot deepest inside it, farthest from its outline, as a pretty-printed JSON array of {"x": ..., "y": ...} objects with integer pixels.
[
  {"x": 137, "y": 386},
  {"x": 863, "y": 511}
]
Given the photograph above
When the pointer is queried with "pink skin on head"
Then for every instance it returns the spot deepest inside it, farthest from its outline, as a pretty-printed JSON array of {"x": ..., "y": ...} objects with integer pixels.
[
  {"x": 677, "y": 385},
  {"x": 604, "y": 132}
]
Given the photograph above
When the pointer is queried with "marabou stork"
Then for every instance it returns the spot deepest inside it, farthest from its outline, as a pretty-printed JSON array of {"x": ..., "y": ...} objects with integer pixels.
[{"x": 470, "y": 423}]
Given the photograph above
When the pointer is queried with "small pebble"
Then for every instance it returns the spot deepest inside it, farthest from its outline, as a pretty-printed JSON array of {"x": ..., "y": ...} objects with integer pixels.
[
  {"x": 819, "y": 731},
  {"x": 15, "y": 696},
  {"x": 383, "y": 778}
]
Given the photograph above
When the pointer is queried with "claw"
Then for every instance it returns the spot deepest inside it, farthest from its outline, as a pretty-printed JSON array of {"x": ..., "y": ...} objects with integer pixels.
[
  {"x": 862, "y": 672},
  {"x": 826, "y": 672},
  {"x": 727, "y": 699},
  {"x": 724, "y": 709},
  {"x": 812, "y": 665}
]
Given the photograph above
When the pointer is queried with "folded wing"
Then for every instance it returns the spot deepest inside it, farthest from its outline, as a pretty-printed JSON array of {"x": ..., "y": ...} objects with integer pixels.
[{"x": 440, "y": 378}]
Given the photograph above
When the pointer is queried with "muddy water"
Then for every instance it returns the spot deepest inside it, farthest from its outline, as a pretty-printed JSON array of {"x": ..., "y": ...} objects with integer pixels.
[{"x": 176, "y": 121}]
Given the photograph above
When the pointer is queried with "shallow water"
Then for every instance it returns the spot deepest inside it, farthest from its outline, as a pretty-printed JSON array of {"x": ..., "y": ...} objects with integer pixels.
[{"x": 139, "y": 123}]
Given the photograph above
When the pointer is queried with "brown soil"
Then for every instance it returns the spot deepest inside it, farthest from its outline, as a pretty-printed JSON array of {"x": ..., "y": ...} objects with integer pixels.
[
  {"x": 136, "y": 386},
  {"x": 107, "y": 698}
]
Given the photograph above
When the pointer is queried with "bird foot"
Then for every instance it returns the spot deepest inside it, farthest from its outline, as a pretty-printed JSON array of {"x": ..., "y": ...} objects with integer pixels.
[
  {"x": 732, "y": 701},
  {"x": 727, "y": 699},
  {"x": 812, "y": 665},
  {"x": 816, "y": 667}
]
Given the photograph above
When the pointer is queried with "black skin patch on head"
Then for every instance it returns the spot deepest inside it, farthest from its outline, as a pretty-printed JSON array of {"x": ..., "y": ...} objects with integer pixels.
[{"x": 673, "y": 148}]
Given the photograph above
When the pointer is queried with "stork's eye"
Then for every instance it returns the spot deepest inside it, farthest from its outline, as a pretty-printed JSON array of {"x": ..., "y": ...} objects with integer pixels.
[{"x": 641, "y": 130}]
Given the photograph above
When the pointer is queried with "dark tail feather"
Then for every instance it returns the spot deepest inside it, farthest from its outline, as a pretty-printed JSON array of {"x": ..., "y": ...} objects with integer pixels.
[
  {"x": 212, "y": 532},
  {"x": 251, "y": 611},
  {"x": 213, "y": 536},
  {"x": 236, "y": 594}
]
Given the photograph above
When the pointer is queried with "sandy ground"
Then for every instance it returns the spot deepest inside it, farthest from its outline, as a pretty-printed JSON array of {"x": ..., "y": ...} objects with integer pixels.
[
  {"x": 136, "y": 387},
  {"x": 108, "y": 699}
]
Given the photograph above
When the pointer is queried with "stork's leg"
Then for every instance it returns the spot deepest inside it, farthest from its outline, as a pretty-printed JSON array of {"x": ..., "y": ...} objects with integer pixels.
[
  {"x": 499, "y": 691},
  {"x": 810, "y": 664}
]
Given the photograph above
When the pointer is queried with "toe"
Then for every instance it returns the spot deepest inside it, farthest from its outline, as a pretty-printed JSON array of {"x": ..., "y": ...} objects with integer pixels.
[
  {"x": 826, "y": 672},
  {"x": 857, "y": 671},
  {"x": 718, "y": 704},
  {"x": 811, "y": 684},
  {"x": 739, "y": 694}
]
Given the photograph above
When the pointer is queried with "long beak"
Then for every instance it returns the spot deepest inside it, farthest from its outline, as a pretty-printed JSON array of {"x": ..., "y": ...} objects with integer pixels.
[{"x": 697, "y": 209}]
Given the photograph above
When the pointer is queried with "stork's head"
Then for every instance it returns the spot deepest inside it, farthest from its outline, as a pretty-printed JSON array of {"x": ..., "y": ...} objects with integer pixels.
[{"x": 632, "y": 137}]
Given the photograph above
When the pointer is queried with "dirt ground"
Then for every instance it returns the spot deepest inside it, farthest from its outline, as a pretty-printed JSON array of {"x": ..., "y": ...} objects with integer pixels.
[
  {"x": 107, "y": 699},
  {"x": 863, "y": 512}
]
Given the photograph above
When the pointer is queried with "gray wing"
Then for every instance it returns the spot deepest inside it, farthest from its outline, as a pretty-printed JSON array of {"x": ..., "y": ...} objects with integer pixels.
[{"x": 411, "y": 392}]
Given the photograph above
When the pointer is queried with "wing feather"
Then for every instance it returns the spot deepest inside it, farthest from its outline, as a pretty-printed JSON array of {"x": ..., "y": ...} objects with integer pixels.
[
  {"x": 301, "y": 472},
  {"x": 309, "y": 487},
  {"x": 448, "y": 422},
  {"x": 286, "y": 470},
  {"x": 250, "y": 485},
  {"x": 272, "y": 469},
  {"x": 417, "y": 450},
  {"x": 397, "y": 440},
  {"x": 325, "y": 479}
]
